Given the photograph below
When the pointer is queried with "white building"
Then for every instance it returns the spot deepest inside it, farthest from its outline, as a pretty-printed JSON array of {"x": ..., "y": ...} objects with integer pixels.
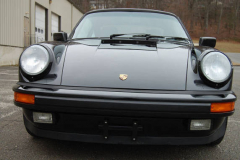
[{"x": 25, "y": 22}]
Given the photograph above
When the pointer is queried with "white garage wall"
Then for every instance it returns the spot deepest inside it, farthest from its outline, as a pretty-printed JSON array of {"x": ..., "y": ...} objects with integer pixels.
[
  {"x": 12, "y": 14},
  {"x": 63, "y": 8}
]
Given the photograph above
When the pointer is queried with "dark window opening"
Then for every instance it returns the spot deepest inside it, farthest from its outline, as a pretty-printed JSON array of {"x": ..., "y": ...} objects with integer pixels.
[
  {"x": 46, "y": 24},
  {"x": 59, "y": 23}
]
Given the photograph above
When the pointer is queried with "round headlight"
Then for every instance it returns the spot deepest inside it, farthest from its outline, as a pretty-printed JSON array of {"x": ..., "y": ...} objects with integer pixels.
[
  {"x": 216, "y": 67},
  {"x": 34, "y": 60}
]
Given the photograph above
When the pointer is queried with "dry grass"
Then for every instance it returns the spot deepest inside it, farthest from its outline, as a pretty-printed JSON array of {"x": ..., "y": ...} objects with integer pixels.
[
  {"x": 235, "y": 64},
  {"x": 225, "y": 46}
]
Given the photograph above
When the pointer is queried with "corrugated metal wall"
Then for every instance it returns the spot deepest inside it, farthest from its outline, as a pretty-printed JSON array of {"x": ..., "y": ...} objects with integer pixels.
[{"x": 12, "y": 14}]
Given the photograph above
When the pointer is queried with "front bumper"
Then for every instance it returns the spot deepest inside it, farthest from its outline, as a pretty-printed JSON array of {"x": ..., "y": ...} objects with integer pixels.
[{"x": 162, "y": 118}]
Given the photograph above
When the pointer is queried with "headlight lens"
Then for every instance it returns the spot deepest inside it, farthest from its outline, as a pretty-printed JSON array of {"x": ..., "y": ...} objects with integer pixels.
[
  {"x": 216, "y": 67},
  {"x": 34, "y": 60}
]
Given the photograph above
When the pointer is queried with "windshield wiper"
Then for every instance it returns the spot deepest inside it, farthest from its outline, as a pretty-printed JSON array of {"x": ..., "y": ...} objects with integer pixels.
[
  {"x": 117, "y": 35},
  {"x": 148, "y": 36},
  {"x": 177, "y": 39}
]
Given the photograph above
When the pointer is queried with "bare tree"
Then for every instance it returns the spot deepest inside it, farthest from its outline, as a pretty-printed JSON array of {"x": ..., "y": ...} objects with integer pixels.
[
  {"x": 220, "y": 18},
  {"x": 207, "y": 9},
  {"x": 236, "y": 15},
  {"x": 191, "y": 4},
  {"x": 199, "y": 16}
]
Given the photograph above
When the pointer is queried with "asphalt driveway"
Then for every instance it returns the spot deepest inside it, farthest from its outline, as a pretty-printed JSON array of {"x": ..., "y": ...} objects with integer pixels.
[
  {"x": 15, "y": 143},
  {"x": 235, "y": 57}
]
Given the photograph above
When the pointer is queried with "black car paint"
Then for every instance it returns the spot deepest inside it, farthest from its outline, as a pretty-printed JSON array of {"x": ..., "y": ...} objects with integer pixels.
[
  {"x": 74, "y": 87},
  {"x": 146, "y": 69},
  {"x": 93, "y": 50}
]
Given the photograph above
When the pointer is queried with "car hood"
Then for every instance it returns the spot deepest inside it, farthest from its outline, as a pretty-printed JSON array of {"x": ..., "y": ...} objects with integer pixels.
[{"x": 161, "y": 68}]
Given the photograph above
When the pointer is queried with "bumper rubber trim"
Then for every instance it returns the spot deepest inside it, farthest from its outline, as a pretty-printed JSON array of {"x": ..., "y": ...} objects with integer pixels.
[{"x": 220, "y": 132}]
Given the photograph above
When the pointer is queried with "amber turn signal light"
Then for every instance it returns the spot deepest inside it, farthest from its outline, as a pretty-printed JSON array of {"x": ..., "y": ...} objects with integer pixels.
[
  {"x": 222, "y": 107},
  {"x": 24, "y": 98}
]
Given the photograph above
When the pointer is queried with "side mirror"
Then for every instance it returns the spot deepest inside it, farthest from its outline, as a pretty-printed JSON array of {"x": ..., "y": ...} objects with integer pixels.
[
  {"x": 60, "y": 36},
  {"x": 207, "y": 41}
]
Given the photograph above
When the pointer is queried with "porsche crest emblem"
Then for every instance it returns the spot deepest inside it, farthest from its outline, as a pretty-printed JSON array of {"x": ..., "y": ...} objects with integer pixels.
[{"x": 123, "y": 76}]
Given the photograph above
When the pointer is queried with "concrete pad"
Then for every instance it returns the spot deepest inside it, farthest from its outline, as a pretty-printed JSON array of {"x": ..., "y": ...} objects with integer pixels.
[{"x": 9, "y": 55}]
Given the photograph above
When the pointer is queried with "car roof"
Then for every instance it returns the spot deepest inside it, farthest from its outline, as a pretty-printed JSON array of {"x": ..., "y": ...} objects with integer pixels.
[{"x": 130, "y": 10}]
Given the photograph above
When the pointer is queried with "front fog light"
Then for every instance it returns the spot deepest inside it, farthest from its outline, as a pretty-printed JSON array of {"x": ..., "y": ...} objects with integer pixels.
[
  {"x": 201, "y": 124},
  {"x": 42, "y": 117}
]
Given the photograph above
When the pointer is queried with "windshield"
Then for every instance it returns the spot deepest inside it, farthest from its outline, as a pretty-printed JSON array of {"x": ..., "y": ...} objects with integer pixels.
[{"x": 104, "y": 24}]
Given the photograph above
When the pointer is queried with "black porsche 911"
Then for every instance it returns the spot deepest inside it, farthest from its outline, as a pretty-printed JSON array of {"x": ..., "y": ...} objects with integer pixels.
[{"x": 126, "y": 76}]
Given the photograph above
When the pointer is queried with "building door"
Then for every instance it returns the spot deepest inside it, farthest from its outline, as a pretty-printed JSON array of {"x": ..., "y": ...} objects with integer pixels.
[
  {"x": 55, "y": 24},
  {"x": 40, "y": 19},
  {"x": 26, "y": 32}
]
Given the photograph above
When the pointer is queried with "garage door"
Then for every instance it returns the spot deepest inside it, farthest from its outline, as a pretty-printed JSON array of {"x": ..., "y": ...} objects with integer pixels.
[
  {"x": 40, "y": 19},
  {"x": 55, "y": 23}
]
